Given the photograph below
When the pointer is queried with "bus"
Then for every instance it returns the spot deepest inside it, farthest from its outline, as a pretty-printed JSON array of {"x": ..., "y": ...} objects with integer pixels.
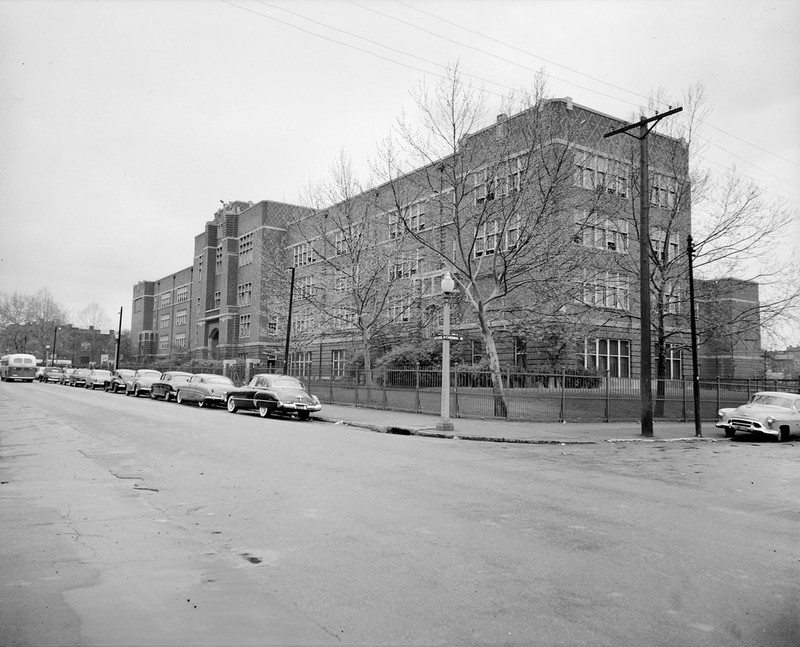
[{"x": 17, "y": 366}]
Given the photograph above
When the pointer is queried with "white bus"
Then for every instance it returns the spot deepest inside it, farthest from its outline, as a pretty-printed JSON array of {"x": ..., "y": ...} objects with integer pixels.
[{"x": 17, "y": 366}]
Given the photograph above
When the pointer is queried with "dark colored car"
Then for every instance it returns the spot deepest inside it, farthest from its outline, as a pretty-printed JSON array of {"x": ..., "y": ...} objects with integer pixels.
[
  {"x": 141, "y": 382},
  {"x": 51, "y": 374},
  {"x": 166, "y": 386},
  {"x": 78, "y": 377},
  {"x": 119, "y": 379},
  {"x": 270, "y": 393},
  {"x": 97, "y": 379},
  {"x": 206, "y": 389}
]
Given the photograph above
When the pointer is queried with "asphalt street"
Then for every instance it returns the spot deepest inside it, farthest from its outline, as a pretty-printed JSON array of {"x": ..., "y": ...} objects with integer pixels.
[{"x": 136, "y": 522}]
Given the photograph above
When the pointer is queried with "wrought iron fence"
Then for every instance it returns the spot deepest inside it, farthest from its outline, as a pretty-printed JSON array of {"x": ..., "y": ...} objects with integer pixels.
[{"x": 578, "y": 397}]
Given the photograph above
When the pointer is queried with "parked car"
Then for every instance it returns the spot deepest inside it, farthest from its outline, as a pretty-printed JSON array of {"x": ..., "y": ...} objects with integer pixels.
[
  {"x": 166, "y": 386},
  {"x": 141, "y": 381},
  {"x": 119, "y": 379},
  {"x": 78, "y": 377},
  {"x": 97, "y": 378},
  {"x": 768, "y": 412},
  {"x": 270, "y": 393},
  {"x": 207, "y": 389},
  {"x": 51, "y": 374},
  {"x": 64, "y": 379},
  {"x": 39, "y": 371}
]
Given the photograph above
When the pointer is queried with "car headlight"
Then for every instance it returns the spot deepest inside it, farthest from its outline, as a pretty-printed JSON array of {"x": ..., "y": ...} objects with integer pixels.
[
  {"x": 770, "y": 420},
  {"x": 720, "y": 414}
]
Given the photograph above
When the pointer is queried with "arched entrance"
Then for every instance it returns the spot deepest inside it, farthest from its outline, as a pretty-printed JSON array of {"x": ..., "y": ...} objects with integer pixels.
[{"x": 213, "y": 341}]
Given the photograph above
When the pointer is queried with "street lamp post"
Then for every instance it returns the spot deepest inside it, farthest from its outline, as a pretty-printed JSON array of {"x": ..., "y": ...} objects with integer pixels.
[
  {"x": 55, "y": 337},
  {"x": 47, "y": 354},
  {"x": 445, "y": 424}
]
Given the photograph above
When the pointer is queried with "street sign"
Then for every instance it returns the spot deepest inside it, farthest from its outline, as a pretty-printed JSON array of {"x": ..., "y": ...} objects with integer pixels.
[{"x": 449, "y": 337}]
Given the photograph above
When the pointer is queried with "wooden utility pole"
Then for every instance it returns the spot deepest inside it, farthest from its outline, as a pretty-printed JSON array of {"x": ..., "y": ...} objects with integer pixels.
[
  {"x": 698, "y": 428},
  {"x": 645, "y": 372}
]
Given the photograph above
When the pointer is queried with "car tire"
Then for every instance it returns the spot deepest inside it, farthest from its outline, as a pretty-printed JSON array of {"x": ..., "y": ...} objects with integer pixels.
[
  {"x": 264, "y": 411},
  {"x": 303, "y": 415},
  {"x": 179, "y": 398},
  {"x": 783, "y": 435},
  {"x": 729, "y": 433},
  {"x": 167, "y": 396},
  {"x": 153, "y": 396},
  {"x": 231, "y": 406},
  {"x": 202, "y": 404}
]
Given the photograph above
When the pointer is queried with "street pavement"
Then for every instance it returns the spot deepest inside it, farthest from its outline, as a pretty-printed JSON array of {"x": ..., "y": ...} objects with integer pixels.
[{"x": 492, "y": 430}]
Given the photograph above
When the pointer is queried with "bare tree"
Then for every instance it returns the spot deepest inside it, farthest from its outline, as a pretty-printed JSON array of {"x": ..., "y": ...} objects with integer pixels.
[
  {"x": 498, "y": 206},
  {"x": 362, "y": 273}
]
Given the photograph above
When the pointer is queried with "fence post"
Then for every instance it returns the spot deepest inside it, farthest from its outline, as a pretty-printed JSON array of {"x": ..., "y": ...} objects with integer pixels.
[
  {"x": 608, "y": 396},
  {"x": 330, "y": 383},
  {"x": 718, "y": 393},
  {"x": 454, "y": 373},
  {"x": 683, "y": 395},
  {"x": 355, "y": 390},
  {"x": 563, "y": 413},
  {"x": 416, "y": 388},
  {"x": 385, "y": 377}
]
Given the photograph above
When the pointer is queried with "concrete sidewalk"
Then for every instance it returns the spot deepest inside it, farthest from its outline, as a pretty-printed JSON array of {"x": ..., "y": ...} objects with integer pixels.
[{"x": 419, "y": 424}]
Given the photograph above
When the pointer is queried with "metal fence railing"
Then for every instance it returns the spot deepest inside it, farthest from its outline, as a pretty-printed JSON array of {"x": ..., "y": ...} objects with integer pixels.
[{"x": 580, "y": 397}]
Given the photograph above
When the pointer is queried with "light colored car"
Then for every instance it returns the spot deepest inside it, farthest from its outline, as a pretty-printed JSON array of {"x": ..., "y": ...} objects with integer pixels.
[
  {"x": 167, "y": 385},
  {"x": 206, "y": 389},
  {"x": 268, "y": 394},
  {"x": 78, "y": 377},
  {"x": 768, "y": 412},
  {"x": 64, "y": 379},
  {"x": 97, "y": 379},
  {"x": 51, "y": 374},
  {"x": 141, "y": 382},
  {"x": 119, "y": 380}
]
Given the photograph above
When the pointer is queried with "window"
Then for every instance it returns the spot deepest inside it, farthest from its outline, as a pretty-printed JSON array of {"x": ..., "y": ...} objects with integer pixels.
[
  {"x": 272, "y": 326},
  {"x": 182, "y": 294},
  {"x": 341, "y": 282},
  {"x": 403, "y": 269},
  {"x": 180, "y": 340},
  {"x": 674, "y": 362},
  {"x": 609, "y": 355},
  {"x": 164, "y": 321},
  {"x": 217, "y": 299},
  {"x": 673, "y": 298},
  {"x": 514, "y": 173},
  {"x": 485, "y": 185},
  {"x": 244, "y": 294},
  {"x": 594, "y": 171},
  {"x": 246, "y": 249},
  {"x": 244, "y": 327},
  {"x": 181, "y": 317},
  {"x": 300, "y": 363},
  {"x": 305, "y": 287},
  {"x": 399, "y": 308},
  {"x": 166, "y": 299},
  {"x": 608, "y": 235},
  {"x": 303, "y": 323},
  {"x": 343, "y": 317},
  {"x": 337, "y": 363},
  {"x": 415, "y": 217},
  {"x": 486, "y": 238},
  {"x": 664, "y": 251},
  {"x": 607, "y": 290},
  {"x": 395, "y": 227},
  {"x": 163, "y": 343},
  {"x": 663, "y": 190},
  {"x": 218, "y": 265},
  {"x": 512, "y": 232},
  {"x": 303, "y": 254}
]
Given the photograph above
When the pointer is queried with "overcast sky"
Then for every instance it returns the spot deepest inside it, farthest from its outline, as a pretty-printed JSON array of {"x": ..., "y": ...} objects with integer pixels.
[{"x": 123, "y": 124}]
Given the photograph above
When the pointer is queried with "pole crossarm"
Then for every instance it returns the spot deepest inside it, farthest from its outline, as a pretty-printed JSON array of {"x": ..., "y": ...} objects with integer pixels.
[{"x": 643, "y": 122}]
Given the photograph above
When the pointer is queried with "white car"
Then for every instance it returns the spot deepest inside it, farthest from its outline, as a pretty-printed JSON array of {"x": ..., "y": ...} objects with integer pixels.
[{"x": 768, "y": 412}]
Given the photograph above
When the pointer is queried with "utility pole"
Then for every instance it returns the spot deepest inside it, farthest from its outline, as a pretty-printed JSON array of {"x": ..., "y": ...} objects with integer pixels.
[
  {"x": 646, "y": 369},
  {"x": 119, "y": 338},
  {"x": 698, "y": 429}
]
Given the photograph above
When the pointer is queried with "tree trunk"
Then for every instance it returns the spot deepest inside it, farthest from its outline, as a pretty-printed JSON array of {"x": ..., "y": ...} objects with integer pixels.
[
  {"x": 661, "y": 375},
  {"x": 498, "y": 390}
]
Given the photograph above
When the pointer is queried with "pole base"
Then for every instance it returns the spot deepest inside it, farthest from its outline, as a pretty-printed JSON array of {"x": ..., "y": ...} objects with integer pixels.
[{"x": 445, "y": 425}]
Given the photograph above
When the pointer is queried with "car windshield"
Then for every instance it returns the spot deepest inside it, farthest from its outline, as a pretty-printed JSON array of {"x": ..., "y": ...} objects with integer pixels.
[
  {"x": 219, "y": 380},
  {"x": 143, "y": 373},
  {"x": 103, "y": 373},
  {"x": 287, "y": 382},
  {"x": 771, "y": 400}
]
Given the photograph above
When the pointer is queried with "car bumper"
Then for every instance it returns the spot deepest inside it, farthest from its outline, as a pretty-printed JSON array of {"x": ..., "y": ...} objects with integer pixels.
[
  {"x": 298, "y": 406},
  {"x": 747, "y": 426}
]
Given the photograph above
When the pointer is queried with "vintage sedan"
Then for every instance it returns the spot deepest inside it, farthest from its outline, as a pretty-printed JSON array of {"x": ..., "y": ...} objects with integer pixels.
[
  {"x": 97, "y": 378},
  {"x": 141, "y": 381},
  {"x": 167, "y": 385},
  {"x": 119, "y": 379},
  {"x": 768, "y": 412},
  {"x": 51, "y": 374},
  {"x": 78, "y": 377},
  {"x": 270, "y": 393},
  {"x": 64, "y": 379},
  {"x": 206, "y": 389}
]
